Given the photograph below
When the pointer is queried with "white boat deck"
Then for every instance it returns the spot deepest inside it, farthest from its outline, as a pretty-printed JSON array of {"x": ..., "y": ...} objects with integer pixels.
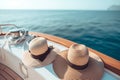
[{"x": 12, "y": 56}]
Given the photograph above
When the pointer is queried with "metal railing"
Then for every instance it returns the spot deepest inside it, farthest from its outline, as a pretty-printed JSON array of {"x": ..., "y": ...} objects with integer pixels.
[{"x": 6, "y": 25}]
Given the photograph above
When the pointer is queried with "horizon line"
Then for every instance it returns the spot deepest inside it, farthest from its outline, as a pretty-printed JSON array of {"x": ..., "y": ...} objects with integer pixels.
[
  {"x": 55, "y": 9},
  {"x": 64, "y": 9}
]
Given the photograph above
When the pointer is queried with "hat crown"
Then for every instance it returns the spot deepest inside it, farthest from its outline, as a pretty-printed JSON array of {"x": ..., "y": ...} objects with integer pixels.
[
  {"x": 38, "y": 46},
  {"x": 78, "y": 54}
]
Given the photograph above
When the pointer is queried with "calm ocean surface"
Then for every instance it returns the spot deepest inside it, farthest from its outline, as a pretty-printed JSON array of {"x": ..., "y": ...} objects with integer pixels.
[{"x": 99, "y": 30}]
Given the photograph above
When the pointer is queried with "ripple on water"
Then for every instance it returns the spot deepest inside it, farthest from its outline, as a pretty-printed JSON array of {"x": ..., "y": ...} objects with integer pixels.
[{"x": 99, "y": 30}]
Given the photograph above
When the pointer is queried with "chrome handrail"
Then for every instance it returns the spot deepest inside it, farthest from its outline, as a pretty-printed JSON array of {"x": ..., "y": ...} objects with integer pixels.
[{"x": 6, "y": 25}]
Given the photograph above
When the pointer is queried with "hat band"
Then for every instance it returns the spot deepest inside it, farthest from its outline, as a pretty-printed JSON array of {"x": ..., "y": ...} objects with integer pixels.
[
  {"x": 76, "y": 66},
  {"x": 41, "y": 57}
]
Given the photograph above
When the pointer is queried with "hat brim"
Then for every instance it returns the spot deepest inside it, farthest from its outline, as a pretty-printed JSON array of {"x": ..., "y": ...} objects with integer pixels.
[
  {"x": 94, "y": 71},
  {"x": 28, "y": 60}
]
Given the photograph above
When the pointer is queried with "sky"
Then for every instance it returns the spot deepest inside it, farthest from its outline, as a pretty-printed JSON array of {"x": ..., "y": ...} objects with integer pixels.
[{"x": 58, "y": 4}]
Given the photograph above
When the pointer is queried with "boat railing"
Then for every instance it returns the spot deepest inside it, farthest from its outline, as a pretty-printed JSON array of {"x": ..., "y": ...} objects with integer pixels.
[{"x": 1, "y": 25}]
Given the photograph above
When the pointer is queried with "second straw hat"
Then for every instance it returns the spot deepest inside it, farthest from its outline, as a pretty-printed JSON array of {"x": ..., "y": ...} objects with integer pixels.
[{"x": 77, "y": 63}]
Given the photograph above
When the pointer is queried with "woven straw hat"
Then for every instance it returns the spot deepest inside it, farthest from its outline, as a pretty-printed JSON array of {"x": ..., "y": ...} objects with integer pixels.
[
  {"x": 39, "y": 54},
  {"x": 78, "y": 64}
]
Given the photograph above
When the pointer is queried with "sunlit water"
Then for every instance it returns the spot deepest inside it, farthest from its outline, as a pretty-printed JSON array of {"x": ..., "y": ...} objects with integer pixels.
[{"x": 99, "y": 30}]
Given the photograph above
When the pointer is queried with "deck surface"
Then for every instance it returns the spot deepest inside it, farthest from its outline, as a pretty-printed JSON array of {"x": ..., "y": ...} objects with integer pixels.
[{"x": 7, "y": 74}]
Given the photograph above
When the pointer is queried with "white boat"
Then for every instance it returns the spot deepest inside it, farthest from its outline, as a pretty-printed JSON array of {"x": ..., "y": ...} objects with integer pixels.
[{"x": 12, "y": 67}]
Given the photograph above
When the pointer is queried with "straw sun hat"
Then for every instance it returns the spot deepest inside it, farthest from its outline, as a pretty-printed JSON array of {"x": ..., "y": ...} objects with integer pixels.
[
  {"x": 78, "y": 64},
  {"x": 39, "y": 54}
]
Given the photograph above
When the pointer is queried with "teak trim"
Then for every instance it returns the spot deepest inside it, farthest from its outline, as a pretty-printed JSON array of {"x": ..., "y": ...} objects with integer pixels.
[
  {"x": 109, "y": 62},
  {"x": 8, "y": 74}
]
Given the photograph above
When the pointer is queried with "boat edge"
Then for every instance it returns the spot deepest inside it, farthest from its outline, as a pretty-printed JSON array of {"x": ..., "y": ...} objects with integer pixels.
[{"x": 109, "y": 62}]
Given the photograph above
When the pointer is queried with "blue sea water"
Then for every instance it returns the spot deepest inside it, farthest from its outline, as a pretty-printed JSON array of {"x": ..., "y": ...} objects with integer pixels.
[{"x": 99, "y": 30}]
